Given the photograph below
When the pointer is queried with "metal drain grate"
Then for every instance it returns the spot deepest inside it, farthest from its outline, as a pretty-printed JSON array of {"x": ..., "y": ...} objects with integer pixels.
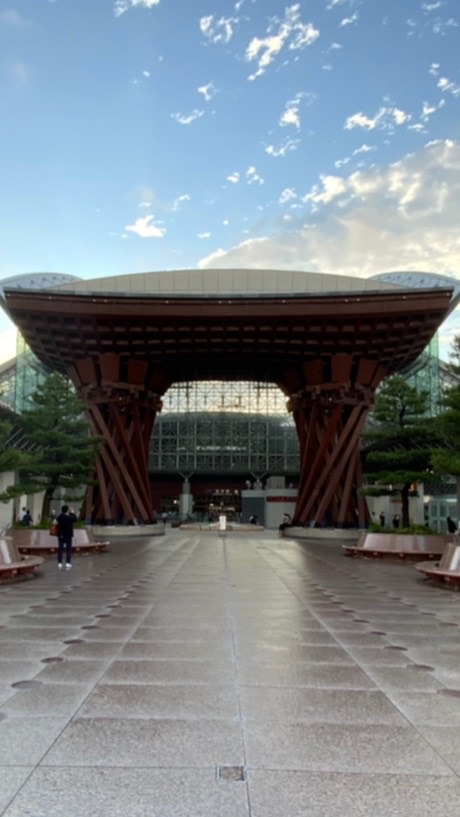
[{"x": 231, "y": 773}]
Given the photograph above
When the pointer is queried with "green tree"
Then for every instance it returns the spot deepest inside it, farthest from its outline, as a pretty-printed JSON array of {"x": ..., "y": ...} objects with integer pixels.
[
  {"x": 446, "y": 459},
  {"x": 60, "y": 451},
  {"x": 11, "y": 457},
  {"x": 399, "y": 441}
]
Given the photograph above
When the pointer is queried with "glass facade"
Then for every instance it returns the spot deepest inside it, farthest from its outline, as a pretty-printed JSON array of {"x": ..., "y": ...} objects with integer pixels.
[
  {"x": 224, "y": 427},
  {"x": 425, "y": 375},
  {"x": 30, "y": 373}
]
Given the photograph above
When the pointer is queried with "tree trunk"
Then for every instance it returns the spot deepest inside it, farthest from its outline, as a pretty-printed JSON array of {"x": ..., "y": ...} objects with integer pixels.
[
  {"x": 48, "y": 496},
  {"x": 457, "y": 483},
  {"x": 405, "y": 521}
]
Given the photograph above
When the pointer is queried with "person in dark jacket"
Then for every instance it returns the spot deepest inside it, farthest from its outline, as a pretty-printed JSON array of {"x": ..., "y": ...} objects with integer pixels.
[
  {"x": 65, "y": 521},
  {"x": 451, "y": 526}
]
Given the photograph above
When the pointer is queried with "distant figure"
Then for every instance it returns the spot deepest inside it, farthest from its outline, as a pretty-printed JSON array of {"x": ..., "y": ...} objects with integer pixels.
[
  {"x": 27, "y": 519},
  {"x": 286, "y": 523},
  {"x": 382, "y": 519},
  {"x": 451, "y": 526},
  {"x": 65, "y": 522},
  {"x": 164, "y": 517},
  {"x": 253, "y": 520},
  {"x": 396, "y": 521}
]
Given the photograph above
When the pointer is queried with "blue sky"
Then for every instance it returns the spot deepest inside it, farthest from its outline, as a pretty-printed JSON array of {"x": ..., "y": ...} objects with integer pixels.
[{"x": 319, "y": 135}]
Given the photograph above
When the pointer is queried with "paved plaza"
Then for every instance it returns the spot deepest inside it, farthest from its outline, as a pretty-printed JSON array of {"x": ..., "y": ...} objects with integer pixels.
[{"x": 195, "y": 675}]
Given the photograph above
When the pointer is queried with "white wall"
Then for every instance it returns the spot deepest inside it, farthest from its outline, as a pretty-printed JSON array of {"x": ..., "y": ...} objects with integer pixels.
[
  {"x": 279, "y": 501},
  {"x": 6, "y": 508}
]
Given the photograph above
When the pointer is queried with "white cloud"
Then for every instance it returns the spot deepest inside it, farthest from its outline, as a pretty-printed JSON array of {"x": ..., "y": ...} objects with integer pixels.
[
  {"x": 208, "y": 91},
  {"x": 144, "y": 228},
  {"x": 290, "y": 115},
  {"x": 446, "y": 85},
  {"x": 400, "y": 217},
  {"x": 359, "y": 120},
  {"x": 11, "y": 17},
  {"x": 180, "y": 200},
  {"x": 252, "y": 177},
  {"x": 330, "y": 188},
  {"x": 336, "y": 3},
  {"x": 234, "y": 177},
  {"x": 123, "y": 5},
  {"x": 218, "y": 30},
  {"x": 204, "y": 235},
  {"x": 288, "y": 194},
  {"x": 290, "y": 144},
  {"x": 427, "y": 110},
  {"x": 187, "y": 119},
  {"x": 348, "y": 21},
  {"x": 290, "y": 31},
  {"x": 441, "y": 26},
  {"x": 363, "y": 149},
  {"x": 386, "y": 118}
]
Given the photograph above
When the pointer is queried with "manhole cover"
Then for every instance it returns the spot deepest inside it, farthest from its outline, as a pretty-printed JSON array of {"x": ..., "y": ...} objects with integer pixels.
[{"x": 232, "y": 773}]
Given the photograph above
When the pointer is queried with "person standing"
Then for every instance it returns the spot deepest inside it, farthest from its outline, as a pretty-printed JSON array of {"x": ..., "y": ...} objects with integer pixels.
[
  {"x": 65, "y": 521},
  {"x": 451, "y": 526}
]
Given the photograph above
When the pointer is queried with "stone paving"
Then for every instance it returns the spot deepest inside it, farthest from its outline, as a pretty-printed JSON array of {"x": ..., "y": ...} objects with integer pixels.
[{"x": 194, "y": 675}]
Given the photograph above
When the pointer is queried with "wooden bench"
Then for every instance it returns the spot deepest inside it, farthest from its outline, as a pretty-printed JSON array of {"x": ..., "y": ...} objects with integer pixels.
[
  {"x": 447, "y": 570},
  {"x": 13, "y": 566},
  {"x": 398, "y": 545},
  {"x": 31, "y": 541}
]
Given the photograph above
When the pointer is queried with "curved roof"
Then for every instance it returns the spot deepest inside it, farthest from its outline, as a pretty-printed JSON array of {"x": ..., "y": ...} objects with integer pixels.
[
  {"x": 226, "y": 282},
  {"x": 423, "y": 280},
  {"x": 35, "y": 280},
  {"x": 255, "y": 335}
]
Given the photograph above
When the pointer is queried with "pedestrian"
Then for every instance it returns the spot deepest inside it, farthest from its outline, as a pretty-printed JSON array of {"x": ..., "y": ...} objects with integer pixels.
[
  {"x": 451, "y": 526},
  {"x": 382, "y": 519},
  {"x": 27, "y": 519},
  {"x": 396, "y": 521},
  {"x": 65, "y": 522},
  {"x": 287, "y": 521}
]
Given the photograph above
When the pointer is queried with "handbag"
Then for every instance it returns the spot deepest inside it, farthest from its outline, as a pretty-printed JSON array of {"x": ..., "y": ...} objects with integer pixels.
[{"x": 54, "y": 529}]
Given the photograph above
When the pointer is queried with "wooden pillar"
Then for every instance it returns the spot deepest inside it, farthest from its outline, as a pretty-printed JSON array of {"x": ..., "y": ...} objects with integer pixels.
[
  {"x": 330, "y": 403},
  {"x": 122, "y": 398}
]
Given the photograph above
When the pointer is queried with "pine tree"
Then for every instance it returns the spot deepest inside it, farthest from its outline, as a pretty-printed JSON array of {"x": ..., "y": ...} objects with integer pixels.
[
  {"x": 60, "y": 451},
  {"x": 399, "y": 443},
  {"x": 446, "y": 460}
]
